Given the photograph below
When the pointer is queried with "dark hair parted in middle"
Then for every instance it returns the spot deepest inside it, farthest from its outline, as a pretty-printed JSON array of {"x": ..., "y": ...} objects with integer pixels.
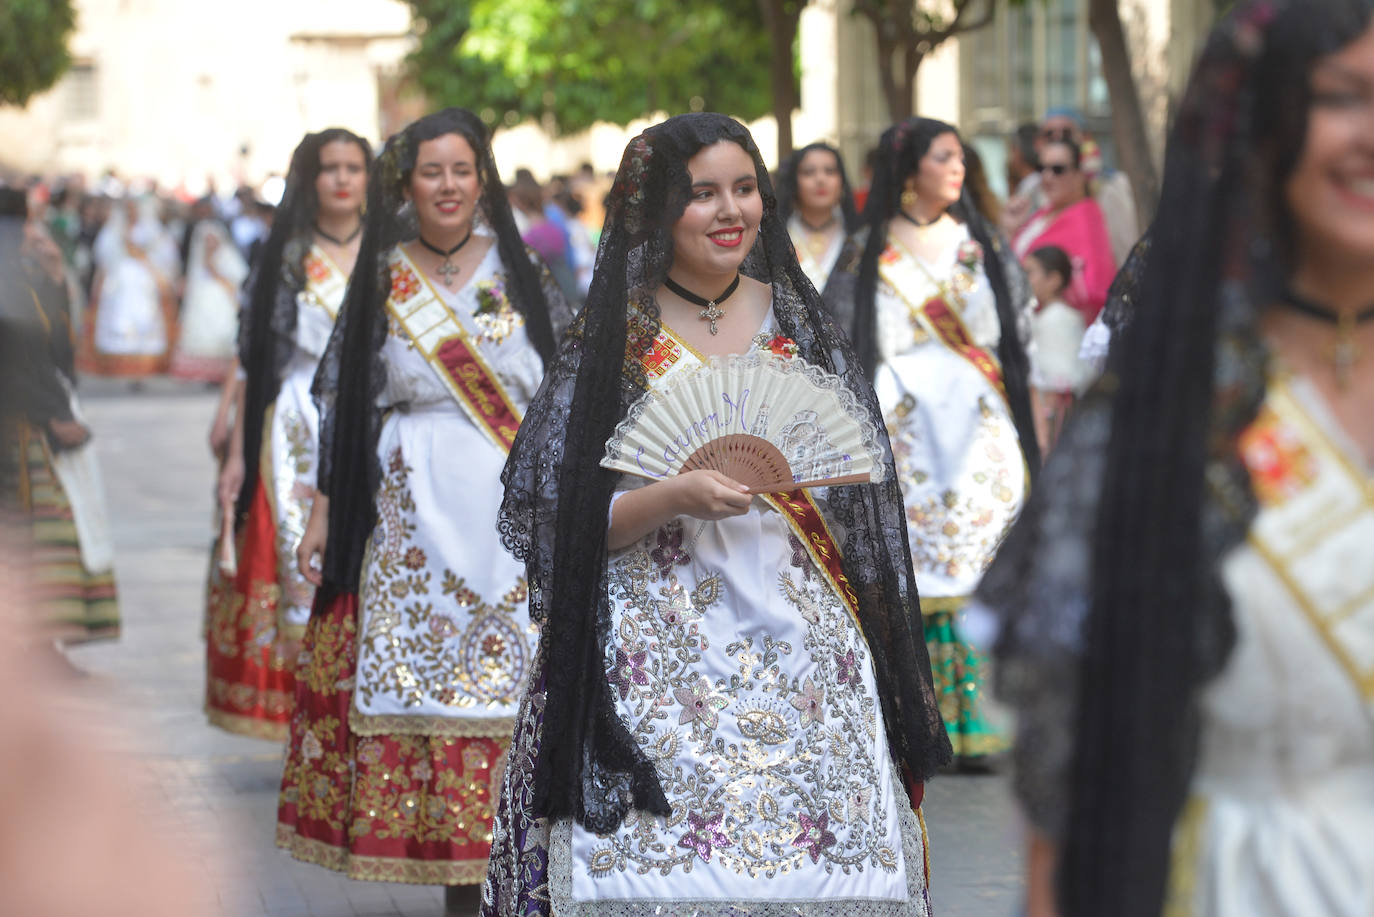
[
  {"x": 900, "y": 152},
  {"x": 352, "y": 373}
]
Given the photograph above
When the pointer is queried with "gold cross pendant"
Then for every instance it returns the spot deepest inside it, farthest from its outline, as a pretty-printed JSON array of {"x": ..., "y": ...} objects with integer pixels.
[{"x": 712, "y": 313}]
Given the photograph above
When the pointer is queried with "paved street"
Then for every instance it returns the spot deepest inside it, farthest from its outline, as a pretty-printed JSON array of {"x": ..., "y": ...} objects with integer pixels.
[{"x": 220, "y": 790}]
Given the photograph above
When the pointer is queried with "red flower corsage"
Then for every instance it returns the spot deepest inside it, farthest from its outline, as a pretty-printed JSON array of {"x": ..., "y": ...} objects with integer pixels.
[{"x": 783, "y": 346}]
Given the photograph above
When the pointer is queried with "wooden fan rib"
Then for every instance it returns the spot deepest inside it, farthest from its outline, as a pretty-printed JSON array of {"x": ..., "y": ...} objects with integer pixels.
[{"x": 782, "y": 488}]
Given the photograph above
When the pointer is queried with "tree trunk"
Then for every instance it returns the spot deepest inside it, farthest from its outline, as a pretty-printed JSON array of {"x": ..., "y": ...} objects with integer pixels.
[
  {"x": 1128, "y": 119},
  {"x": 892, "y": 90},
  {"x": 782, "y": 34},
  {"x": 911, "y": 65}
]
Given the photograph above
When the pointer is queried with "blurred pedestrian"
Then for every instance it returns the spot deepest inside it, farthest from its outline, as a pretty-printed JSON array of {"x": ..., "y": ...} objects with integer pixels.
[
  {"x": 1023, "y": 178},
  {"x": 940, "y": 319},
  {"x": 208, "y": 328},
  {"x": 1057, "y": 374},
  {"x": 58, "y": 498},
  {"x": 133, "y": 322},
  {"x": 258, "y": 608},
  {"x": 976, "y": 179},
  {"x": 542, "y": 234},
  {"x": 1187, "y": 605},
  {"x": 565, "y": 206},
  {"x": 1109, "y": 187},
  {"x": 419, "y": 646},
  {"x": 865, "y": 180},
  {"x": 1072, "y": 220},
  {"x": 817, "y": 205}
]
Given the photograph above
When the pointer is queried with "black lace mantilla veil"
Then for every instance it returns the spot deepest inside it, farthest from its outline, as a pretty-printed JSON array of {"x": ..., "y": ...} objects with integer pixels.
[
  {"x": 1114, "y": 614},
  {"x": 557, "y": 496},
  {"x": 267, "y": 320},
  {"x": 786, "y": 187},
  {"x": 853, "y": 289},
  {"x": 352, "y": 374}
]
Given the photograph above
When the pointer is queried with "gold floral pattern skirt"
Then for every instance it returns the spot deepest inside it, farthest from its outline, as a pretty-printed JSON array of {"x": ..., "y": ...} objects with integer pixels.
[
  {"x": 249, "y": 684},
  {"x": 390, "y": 808}
]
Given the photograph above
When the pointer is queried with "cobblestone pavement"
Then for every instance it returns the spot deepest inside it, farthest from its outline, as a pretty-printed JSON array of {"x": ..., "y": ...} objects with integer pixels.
[{"x": 219, "y": 790}]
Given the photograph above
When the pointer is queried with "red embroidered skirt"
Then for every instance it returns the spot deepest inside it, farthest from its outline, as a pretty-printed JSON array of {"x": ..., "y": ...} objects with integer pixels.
[
  {"x": 389, "y": 808},
  {"x": 249, "y": 686}
]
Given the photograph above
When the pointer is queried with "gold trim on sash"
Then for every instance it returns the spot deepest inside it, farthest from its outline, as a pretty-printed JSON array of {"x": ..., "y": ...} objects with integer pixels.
[
  {"x": 1184, "y": 857},
  {"x": 797, "y": 507},
  {"x": 325, "y": 284},
  {"x": 441, "y": 338},
  {"x": 943, "y": 321},
  {"x": 1303, "y": 477},
  {"x": 804, "y": 518}
]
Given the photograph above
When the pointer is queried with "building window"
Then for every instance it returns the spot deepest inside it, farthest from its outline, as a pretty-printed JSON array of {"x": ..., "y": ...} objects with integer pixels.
[
  {"x": 1032, "y": 58},
  {"x": 80, "y": 97}
]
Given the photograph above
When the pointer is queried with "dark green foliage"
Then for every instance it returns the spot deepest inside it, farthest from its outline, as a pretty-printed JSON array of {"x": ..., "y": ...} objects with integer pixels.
[
  {"x": 570, "y": 63},
  {"x": 33, "y": 46}
]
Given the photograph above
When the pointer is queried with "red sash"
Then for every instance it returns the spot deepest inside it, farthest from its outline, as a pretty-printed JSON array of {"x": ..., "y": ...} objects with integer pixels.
[
  {"x": 945, "y": 323},
  {"x": 796, "y": 506},
  {"x": 804, "y": 518},
  {"x": 475, "y": 384},
  {"x": 444, "y": 342}
]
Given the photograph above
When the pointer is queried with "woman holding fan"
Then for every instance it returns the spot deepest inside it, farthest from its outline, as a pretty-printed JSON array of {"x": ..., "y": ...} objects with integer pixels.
[
  {"x": 419, "y": 643},
  {"x": 728, "y": 685}
]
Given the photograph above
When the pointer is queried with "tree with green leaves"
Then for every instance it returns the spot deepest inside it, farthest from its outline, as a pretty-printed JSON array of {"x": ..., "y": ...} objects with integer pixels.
[
  {"x": 571, "y": 63},
  {"x": 33, "y": 46},
  {"x": 909, "y": 31}
]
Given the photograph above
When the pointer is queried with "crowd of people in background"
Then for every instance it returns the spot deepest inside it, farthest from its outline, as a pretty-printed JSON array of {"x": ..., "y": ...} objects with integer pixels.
[
  {"x": 503, "y": 663},
  {"x": 154, "y": 275}
]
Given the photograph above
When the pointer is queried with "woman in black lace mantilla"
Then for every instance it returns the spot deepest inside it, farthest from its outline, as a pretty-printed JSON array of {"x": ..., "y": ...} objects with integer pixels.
[{"x": 681, "y": 740}]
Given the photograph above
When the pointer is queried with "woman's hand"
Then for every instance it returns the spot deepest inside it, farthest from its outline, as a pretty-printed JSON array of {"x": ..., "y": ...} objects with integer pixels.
[
  {"x": 231, "y": 478},
  {"x": 706, "y": 495},
  {"x": 313, "y": 542},
  {"x": 225, "y": 431},
  {"x": 220, "y": 432},
  {"x": 68, "y": 433},
  {"x": 709, "y": 495}
]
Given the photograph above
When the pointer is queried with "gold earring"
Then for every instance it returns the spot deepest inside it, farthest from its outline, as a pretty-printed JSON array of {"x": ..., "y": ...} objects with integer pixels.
[{"x": 909, "y": 199}]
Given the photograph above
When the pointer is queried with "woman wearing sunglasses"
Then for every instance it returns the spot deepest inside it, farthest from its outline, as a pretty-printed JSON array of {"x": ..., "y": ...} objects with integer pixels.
[{"x": 1072, "y": 220}]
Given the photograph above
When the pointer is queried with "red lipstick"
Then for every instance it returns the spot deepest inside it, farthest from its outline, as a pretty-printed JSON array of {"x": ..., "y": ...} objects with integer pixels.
[{"x": 728, "y": 238}]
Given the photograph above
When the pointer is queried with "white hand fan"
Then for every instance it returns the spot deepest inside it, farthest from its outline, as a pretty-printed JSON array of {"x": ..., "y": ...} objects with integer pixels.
[{"x": 771, "y": 423}]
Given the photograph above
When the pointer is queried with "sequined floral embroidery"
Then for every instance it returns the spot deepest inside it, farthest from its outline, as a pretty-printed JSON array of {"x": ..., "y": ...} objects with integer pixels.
[
  {"x": 955, "y": 532},
  {"x": 704, "y": 835},
  {"x": 815, "y": 835},
  {"x": 404, "y": 283},
  {"x": 428, "y": 640},
  {"x": 794, "y": 783},
  {"x": 668, "y": 553}
]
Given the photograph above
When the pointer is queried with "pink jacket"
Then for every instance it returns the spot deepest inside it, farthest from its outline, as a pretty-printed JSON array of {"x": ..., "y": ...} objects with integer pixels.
[{"x": 1081, "y": 231}]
